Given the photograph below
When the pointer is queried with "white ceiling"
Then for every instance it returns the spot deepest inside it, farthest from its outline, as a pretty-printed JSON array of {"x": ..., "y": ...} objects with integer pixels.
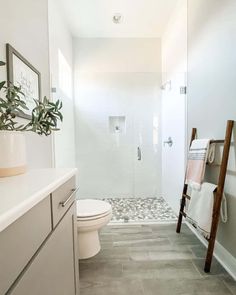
[{"x": 141, "y": 18}]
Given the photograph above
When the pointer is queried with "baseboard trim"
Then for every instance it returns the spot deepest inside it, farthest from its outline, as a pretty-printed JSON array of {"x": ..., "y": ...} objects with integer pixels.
[{"x": 223, "y": 256}]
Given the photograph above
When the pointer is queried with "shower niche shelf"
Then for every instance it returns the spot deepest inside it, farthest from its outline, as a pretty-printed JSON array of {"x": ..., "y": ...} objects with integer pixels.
[{"x": 117, "y": 124}]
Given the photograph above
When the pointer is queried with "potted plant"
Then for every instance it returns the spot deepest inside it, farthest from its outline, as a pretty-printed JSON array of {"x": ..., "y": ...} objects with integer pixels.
[{"x": 45, "y": 117}]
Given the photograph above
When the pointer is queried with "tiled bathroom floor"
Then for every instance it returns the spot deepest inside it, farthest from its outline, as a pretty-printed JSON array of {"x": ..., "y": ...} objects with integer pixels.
[
  {"x": 151, "y": 260},
  {"x": 140, "y": 210}
]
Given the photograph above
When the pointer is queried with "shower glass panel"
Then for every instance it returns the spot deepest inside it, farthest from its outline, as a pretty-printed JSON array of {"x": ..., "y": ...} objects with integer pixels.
[{"x": 118, "y": 136}]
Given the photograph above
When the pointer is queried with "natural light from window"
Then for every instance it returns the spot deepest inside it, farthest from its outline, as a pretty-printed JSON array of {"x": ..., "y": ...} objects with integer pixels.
[{"x": 65, "y": 75}]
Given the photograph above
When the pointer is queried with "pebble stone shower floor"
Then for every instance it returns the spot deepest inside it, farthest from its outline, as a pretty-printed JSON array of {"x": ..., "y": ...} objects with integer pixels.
[{"x": 136, "y": 210}]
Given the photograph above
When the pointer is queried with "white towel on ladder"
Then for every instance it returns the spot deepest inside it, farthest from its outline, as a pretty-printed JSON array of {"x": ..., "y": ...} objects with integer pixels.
[{"x": 200, "y": 208}]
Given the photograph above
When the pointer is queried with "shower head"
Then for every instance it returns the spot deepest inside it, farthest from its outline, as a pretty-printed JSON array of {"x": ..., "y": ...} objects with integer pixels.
[{"x": 164, "y": 86}]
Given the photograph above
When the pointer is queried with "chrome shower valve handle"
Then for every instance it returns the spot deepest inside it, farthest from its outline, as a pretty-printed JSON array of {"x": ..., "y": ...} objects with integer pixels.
[{"x": 169, "y": 142}]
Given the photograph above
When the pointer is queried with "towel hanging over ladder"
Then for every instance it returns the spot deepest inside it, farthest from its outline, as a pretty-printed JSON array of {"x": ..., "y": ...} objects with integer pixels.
[
  {"x": 197, "y": 159},
  {"x": 199, "y": 212}
]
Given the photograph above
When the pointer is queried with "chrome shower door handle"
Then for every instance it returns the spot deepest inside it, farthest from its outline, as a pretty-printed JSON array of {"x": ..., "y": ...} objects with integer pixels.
[
  {"x": 139, "y": 153},
  {"x": 169, "y": 142}
]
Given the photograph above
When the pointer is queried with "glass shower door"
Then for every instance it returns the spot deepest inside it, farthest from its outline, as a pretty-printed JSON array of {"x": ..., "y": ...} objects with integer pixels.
[{"x": 147, "y": 148}]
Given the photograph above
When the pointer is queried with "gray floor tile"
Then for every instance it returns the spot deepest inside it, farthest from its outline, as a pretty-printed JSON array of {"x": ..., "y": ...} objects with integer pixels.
[
  {"x": 151, "y": 259},
  {"x": 127, "y": 229},
  {"x": 174, "y": 254},
  {"x": 164, "y": 269},
  {"x": 199, "y": 251},
  {"x": 216, "y": 268},
  {"x": 121, "y": 287},
  {"x": 230, "y": 283},
  {"x": 139, "y": 270},
  {"x": 112, "y": 254},
  {"x": 141, "y": 242},
  {"x": 100, "y": 271},
  {"x": 139, "y": 255},
  {"x": 162, "y": 247},
  {"x": 183, "y": 239},
  {"x": 163, "y": 227},
  {"x": 207, "y": 286},
  {"x": 138, "y": 236},
  {"x": 106, "y": 245},
  {"x": 163, "y": 252}
]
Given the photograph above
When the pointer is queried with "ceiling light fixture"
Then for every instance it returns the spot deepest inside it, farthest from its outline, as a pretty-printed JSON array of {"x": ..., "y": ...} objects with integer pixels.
[{"x": 117, "y": 18}]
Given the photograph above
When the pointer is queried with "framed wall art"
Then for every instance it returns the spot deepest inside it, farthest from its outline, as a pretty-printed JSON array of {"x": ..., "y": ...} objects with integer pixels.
[{"x": 20, "y": 72}]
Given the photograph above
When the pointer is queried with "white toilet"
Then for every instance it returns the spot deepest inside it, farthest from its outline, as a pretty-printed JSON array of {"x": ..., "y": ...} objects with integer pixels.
[{"x": 92, "y": 215}]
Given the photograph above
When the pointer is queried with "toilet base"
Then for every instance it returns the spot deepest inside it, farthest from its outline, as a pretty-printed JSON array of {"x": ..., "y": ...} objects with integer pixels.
[{"x": 88, "y": 244}]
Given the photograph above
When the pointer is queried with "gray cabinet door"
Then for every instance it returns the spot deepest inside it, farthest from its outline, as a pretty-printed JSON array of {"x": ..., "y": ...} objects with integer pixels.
[
  {"x": 53, "y": 270},
  {"x": 20, "y": 241}
]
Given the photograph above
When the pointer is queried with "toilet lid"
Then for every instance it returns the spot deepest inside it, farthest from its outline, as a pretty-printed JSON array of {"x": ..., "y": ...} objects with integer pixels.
[{"x": 89, "y": 208}]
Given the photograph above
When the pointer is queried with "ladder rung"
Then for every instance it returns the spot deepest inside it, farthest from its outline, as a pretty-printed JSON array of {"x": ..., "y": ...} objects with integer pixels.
[
  {"x": 213, "y": 164},
  {"x": 183, "y": 213},
  {"x": 186, "y": 196},
  {"x": 203, "y": 235},
  {"x": 217, "y": 141}
]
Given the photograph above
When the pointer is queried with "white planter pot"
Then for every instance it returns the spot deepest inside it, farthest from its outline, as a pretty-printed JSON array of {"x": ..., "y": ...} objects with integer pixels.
[{"x": 12, "y": 153}]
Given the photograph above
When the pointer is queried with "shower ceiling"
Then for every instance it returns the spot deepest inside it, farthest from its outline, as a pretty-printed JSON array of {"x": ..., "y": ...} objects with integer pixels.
[{"x": 141, "y": 18}]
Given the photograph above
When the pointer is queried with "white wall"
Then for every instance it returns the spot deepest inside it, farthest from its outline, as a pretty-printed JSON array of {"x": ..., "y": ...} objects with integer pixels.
[
  {"x": 118, "y": 55},
  {"x": 212, "y": 88},
  {"x": 24, "y": 24},
  {"x": 117, "y": 77},
  {"x": 174, "y": 67},
  {"x": 174, "y": 42},
  {"x": 61, "y": 55}
]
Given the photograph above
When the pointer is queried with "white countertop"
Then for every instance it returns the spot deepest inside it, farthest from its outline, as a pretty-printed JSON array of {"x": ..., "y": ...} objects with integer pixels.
[{"x": 18, "y": 194}]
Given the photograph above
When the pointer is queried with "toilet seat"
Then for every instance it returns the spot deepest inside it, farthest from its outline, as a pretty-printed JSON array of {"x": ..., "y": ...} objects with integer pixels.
[
  {"x": 90, "y": 209},
  {"x": 93, "y": 217}
]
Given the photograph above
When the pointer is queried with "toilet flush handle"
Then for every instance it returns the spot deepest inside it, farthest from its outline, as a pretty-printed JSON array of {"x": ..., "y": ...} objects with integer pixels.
[{"x": 73, "y": 191}]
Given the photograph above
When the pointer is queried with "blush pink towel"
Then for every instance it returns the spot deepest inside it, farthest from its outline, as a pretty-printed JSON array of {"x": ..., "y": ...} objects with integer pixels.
[{"x": 196, "y": 165}]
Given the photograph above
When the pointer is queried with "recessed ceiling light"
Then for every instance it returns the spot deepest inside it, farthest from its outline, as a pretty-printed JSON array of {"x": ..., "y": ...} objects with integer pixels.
[{"x": 117, "y": 18}]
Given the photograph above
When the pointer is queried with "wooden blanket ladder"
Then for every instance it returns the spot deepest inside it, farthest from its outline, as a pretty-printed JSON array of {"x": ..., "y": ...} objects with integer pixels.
[{"x": 218, "y": 195}]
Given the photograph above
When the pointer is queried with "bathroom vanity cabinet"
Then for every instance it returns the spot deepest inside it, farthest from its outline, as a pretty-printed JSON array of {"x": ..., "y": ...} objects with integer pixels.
[{"x": 38, "y": 251}]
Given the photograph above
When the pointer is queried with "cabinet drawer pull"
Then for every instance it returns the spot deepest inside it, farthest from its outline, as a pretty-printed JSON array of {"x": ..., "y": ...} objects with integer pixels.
[{"x": 73, "y": 191}]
